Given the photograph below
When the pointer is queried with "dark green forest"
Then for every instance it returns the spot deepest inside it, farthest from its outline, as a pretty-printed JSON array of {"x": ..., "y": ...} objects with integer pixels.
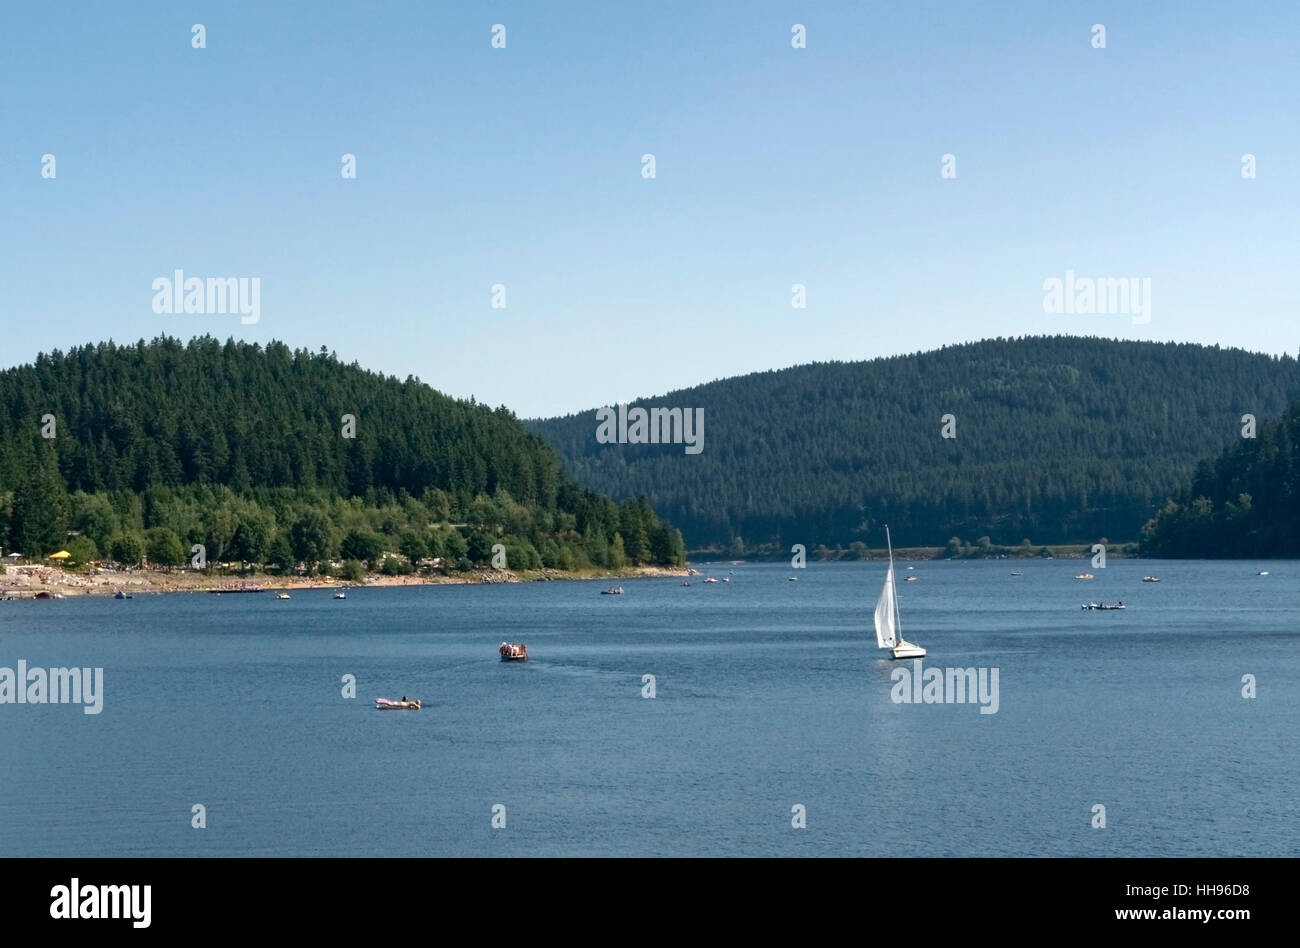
[
  {"x": 1245, "y": 503},
  {"x": 1058, "y": 439},
  {"x": 143, "y": 450}
]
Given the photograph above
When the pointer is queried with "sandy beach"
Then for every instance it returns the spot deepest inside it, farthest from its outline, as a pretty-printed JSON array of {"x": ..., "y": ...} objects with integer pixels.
[{"x": 22, "y": 582}]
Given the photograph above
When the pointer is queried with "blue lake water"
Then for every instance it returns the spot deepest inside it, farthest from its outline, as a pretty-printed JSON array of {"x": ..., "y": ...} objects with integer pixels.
[{"x": 768, "y": 694}]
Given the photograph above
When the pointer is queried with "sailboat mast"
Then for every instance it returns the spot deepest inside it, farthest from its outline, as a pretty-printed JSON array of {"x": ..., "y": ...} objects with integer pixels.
[{"x": 893, "y": 587}]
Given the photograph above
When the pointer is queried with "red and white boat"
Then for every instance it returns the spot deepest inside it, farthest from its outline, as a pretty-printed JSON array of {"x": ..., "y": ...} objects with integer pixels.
[{"x": 512, "y": 652}]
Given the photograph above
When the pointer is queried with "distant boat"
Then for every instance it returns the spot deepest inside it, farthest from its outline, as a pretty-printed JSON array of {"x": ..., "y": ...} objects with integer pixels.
[
  {"x": 889, "y": 626},
  {"x": 612, "y": 591},
  {"x": 120, "y": 595},
  {"x": 340, "y": 595},
  {"x": 1103, "y": 607},
  {"x": 686, "y": 582},
  {"x": 283, "y": 596},
  {"x": 385, "y": 704},
  {"x": 1083, "y": 576},
  {"x": 911, "y": 579},
  {"x": 512, "y": 652},
  {"x": 43, "y": 595},
  {"x": 1150, "y": 579},
  {"x": 794, "y": 579},
  {"x": 726, "y": 579},
  {"x": 1262, "y": 572},
  {"x": 911, "y": 567},
  {"x": 1017, "y": 572}
]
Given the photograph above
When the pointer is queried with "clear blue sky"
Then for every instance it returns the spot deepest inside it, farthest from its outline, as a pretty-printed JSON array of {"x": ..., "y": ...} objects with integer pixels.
[{"x": 522, "y": 166}]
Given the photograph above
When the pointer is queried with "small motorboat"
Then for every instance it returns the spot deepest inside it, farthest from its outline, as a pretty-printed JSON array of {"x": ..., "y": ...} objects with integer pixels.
[
  {"x": 794, "y": 579},
  {"x": 283, "y": 596},
  {"x": 911, "y": 567},
  {"x": 1262, "y": 572},
  {"x": 1150, "y": 579},
  {"x": 1103, "y": 606},
  {"x": 686, "y": 582},
  {"x": 911, "y": 579},
  {"x": 1083, "y": 576},
  {"x": 512, "y": 652},
  {"x": 612, "y": 591},
  {"x": 387, "y": 704},
  {"x": 340, "y": 595},
  {"x": 120, "y": 595},
  {"x": 726, "y": 579},
  {"x": 1017, "y": 572},
  {"x": 710, "y": 580}
]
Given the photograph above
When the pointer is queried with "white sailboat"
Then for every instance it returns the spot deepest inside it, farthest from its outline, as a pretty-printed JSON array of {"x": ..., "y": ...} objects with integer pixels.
[{"x": 889, "y": 629}]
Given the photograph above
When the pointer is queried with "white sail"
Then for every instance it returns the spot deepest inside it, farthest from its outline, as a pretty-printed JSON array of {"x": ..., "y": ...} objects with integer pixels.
[{"x": 886, "y": 627}]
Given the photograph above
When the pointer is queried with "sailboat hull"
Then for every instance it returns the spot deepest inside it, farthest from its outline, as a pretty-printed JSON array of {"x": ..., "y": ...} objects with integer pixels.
[{"x": 889, "y": 632}]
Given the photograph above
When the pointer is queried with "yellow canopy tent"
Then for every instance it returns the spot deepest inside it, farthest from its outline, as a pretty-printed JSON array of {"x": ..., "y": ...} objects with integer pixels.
[{"x": 61, "y": 555}]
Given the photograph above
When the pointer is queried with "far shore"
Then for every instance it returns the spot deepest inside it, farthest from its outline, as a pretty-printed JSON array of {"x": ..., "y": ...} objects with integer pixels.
[
  {"x": 1050, "y": 551},
  {"x": 26, "y": 582}
]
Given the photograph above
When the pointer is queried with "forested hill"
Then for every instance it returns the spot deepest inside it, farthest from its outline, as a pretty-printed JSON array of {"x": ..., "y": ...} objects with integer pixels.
[
  {"x": 1244, "y": 503},
  {"x": 164, "y": 414},
  {"x": 1057, "y": 439},
  {"x": 247, "y": 449}
]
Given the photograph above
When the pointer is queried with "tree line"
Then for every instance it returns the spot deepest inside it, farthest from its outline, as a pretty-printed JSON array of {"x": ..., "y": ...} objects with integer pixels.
[
  {"x": 1244, "y": 503},
  {"x": 1060, "y": 439},
  {"x": 141, "y": 452}
]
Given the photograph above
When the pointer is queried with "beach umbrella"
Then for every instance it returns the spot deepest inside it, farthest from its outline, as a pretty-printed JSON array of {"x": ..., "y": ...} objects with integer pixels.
[{"x": 61, "y": 555}]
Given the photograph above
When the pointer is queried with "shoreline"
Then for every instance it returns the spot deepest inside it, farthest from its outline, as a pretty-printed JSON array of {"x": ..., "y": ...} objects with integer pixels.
[
  {"x": 1065, "y": 551},
  {"x": 145, "y": 582}
]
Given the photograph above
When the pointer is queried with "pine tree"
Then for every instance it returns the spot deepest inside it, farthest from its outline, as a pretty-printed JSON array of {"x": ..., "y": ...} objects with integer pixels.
[{"x": 39, "y": 524}]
